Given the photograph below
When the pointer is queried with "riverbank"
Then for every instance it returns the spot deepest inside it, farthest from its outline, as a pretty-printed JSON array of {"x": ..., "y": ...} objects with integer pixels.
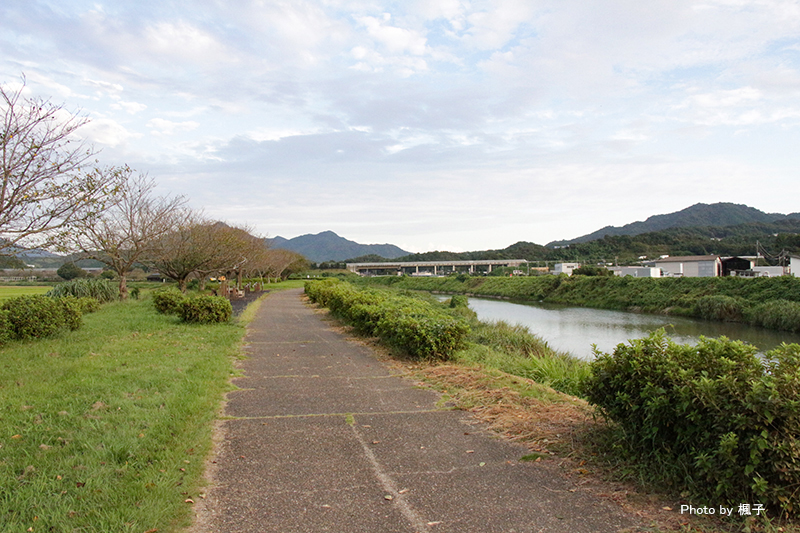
[{"x": 773, "y": 303}]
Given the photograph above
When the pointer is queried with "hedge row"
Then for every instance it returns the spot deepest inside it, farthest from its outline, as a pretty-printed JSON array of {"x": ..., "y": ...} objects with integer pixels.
[
  {"x": 38, "y": 316},
  {"x": 200, "y": 309},
  {"x": 725, "y": 422},
  {"x": 407, "y": 323}
]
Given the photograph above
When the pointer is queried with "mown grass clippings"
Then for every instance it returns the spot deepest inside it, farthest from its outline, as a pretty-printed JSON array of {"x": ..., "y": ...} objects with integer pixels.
[{"x": 107, "y": 428}]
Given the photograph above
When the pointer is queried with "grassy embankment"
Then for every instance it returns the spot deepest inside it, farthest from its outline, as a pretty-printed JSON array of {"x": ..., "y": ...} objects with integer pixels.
[
  {"x": 768, "y": 302},
  {"x": 106, "y": 428}
]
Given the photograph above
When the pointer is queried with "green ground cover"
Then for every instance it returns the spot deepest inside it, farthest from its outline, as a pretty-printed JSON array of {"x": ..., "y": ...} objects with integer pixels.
[
  {"x": 106, "y": 428},
  {"x": 12, "y": 291}
]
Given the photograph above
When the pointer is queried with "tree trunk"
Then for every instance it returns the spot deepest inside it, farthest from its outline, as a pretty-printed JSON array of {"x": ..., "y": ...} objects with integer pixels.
[
  {"x": 123, "y": 287},
  {"x": 182, "y": 285}
]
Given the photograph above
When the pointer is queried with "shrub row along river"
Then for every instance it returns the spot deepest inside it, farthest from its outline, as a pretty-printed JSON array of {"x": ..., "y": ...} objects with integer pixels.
[{"x": 575, "y": 329}]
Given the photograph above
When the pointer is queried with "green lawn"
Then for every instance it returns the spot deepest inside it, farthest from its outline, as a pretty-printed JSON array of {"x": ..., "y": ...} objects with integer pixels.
[
  {"x": 105, "y": 429},
  {"x": 12, "y": 291}
]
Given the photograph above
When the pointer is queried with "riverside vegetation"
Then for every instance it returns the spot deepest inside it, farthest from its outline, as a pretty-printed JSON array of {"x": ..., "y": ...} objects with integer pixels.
[
  {"x": 772, "y": 303},
  {"x": 713, "y": 422}
]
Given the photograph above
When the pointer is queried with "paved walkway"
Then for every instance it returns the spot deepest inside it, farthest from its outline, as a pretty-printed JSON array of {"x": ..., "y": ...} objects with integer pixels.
[{"x": 323, "y": 437}]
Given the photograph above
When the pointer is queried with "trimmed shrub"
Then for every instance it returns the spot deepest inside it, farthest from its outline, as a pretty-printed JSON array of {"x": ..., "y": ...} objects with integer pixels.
[
  {"x": 720, "y": 423},
  {"x": 6, "y": 330},
  {"x": 33, "y": 317},
  {"x": 205, "y": 309},
  {"x": 88, "y": 304},
  {"x": 72, "y": 310},
  {"x": 168, "y": 301},
  {"x": 405, "y": 322},
  {"x": 99, "y": 289}
]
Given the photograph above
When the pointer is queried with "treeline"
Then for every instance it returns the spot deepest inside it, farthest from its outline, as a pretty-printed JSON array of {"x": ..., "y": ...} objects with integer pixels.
[
  {"x": 773, "y": 303},
  {"x": 625, "y": 249}
]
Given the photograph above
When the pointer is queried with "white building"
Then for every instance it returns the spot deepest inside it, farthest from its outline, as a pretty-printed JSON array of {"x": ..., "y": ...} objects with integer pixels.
[
  {"x": 636, "y": 271},
  {"x": 769, "y": 271},
  {"x": 794, "y": 265},
  {"x": 565, "y": 268},
  {"x": 690, "y": 266}
]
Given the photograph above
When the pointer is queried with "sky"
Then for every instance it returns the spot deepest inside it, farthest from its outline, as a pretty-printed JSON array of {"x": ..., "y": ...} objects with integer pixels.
[{"x": 429, "y": 124}]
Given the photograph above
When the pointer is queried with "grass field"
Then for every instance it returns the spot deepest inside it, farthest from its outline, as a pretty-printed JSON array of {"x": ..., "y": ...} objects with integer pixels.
[
  {"x": 12, "y": 291},
  {"x": 106, "y": 429}
]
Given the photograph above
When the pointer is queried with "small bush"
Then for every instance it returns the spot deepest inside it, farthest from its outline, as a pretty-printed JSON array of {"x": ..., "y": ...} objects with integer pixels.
[
  {"x": 720, "y": 423},
  {"x": 69, "y": 271},
  {"x": 205, "y": 309},
  {"x": 168, "y": 301},
  {"x": 88, "y": 304},
  {"x": 459, "y": 300},
  {"x": 6, "y": 331},
  {"x": 134, "y": 293},
  {"x": 33, "y": 317},
  {"x": 72, "y": 310}
]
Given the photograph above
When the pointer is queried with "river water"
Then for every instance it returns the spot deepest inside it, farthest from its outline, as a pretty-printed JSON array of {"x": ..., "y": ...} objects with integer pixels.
[{"x": 575, "y": 329}]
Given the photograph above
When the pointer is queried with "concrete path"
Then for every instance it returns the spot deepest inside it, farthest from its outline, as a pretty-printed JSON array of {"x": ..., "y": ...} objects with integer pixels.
[{"x": 323, "y": 437}]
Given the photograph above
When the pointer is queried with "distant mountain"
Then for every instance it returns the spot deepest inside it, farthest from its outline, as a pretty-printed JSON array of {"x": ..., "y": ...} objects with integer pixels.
[
  {"x": 718, "y": 215},
  {"x": 36, "y": 253},
  {"x": 328, "y": 246}
]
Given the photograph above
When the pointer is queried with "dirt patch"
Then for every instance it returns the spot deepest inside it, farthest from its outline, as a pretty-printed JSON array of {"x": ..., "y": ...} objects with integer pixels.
[{"x": 240, "y": 304}]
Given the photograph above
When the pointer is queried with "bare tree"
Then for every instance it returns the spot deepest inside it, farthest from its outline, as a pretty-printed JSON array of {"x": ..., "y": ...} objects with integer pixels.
[
  {"x": 48, "y": 176},
  {"x": 200, "y": 247},
  {"x": 129, "y": 228},
  {"x": 274, "y": 262},
  {"x": 204, "y": 248}
]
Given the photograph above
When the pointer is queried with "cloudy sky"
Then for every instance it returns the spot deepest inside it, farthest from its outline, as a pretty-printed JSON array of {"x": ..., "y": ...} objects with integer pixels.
[{"x": 430, "y": 124}]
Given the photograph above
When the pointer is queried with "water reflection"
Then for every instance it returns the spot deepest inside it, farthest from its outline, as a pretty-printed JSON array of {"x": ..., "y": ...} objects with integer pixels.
[{"x": 575, "y": 329}]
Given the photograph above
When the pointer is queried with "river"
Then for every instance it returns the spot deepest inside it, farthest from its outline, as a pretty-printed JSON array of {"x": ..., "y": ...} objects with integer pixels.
[{"x": 575, "y": 329}]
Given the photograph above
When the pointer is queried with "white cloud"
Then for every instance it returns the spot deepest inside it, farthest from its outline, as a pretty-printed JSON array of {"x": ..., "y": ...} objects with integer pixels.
[
  {"x": 107, "y": 131},
  {"x": 396, "y": 40},
  {"x": 130, "y": 107},
  {"x": 163, "y": 127},
  {"x": 495, "y": 25},
  {"x": 184, "y": 41}
]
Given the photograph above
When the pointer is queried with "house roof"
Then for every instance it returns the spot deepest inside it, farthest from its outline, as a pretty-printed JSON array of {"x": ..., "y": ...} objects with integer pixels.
[{"x": 687, "y": 259}]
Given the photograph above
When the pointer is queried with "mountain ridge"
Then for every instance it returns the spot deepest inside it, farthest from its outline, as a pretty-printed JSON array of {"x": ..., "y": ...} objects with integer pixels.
[
  {"x": 719, "y": 214},
  {"x": 328, "y": 246}
]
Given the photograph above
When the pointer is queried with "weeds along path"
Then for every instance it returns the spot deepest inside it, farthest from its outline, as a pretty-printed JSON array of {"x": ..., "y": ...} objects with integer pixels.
[{"x": 321, "y": 436}]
